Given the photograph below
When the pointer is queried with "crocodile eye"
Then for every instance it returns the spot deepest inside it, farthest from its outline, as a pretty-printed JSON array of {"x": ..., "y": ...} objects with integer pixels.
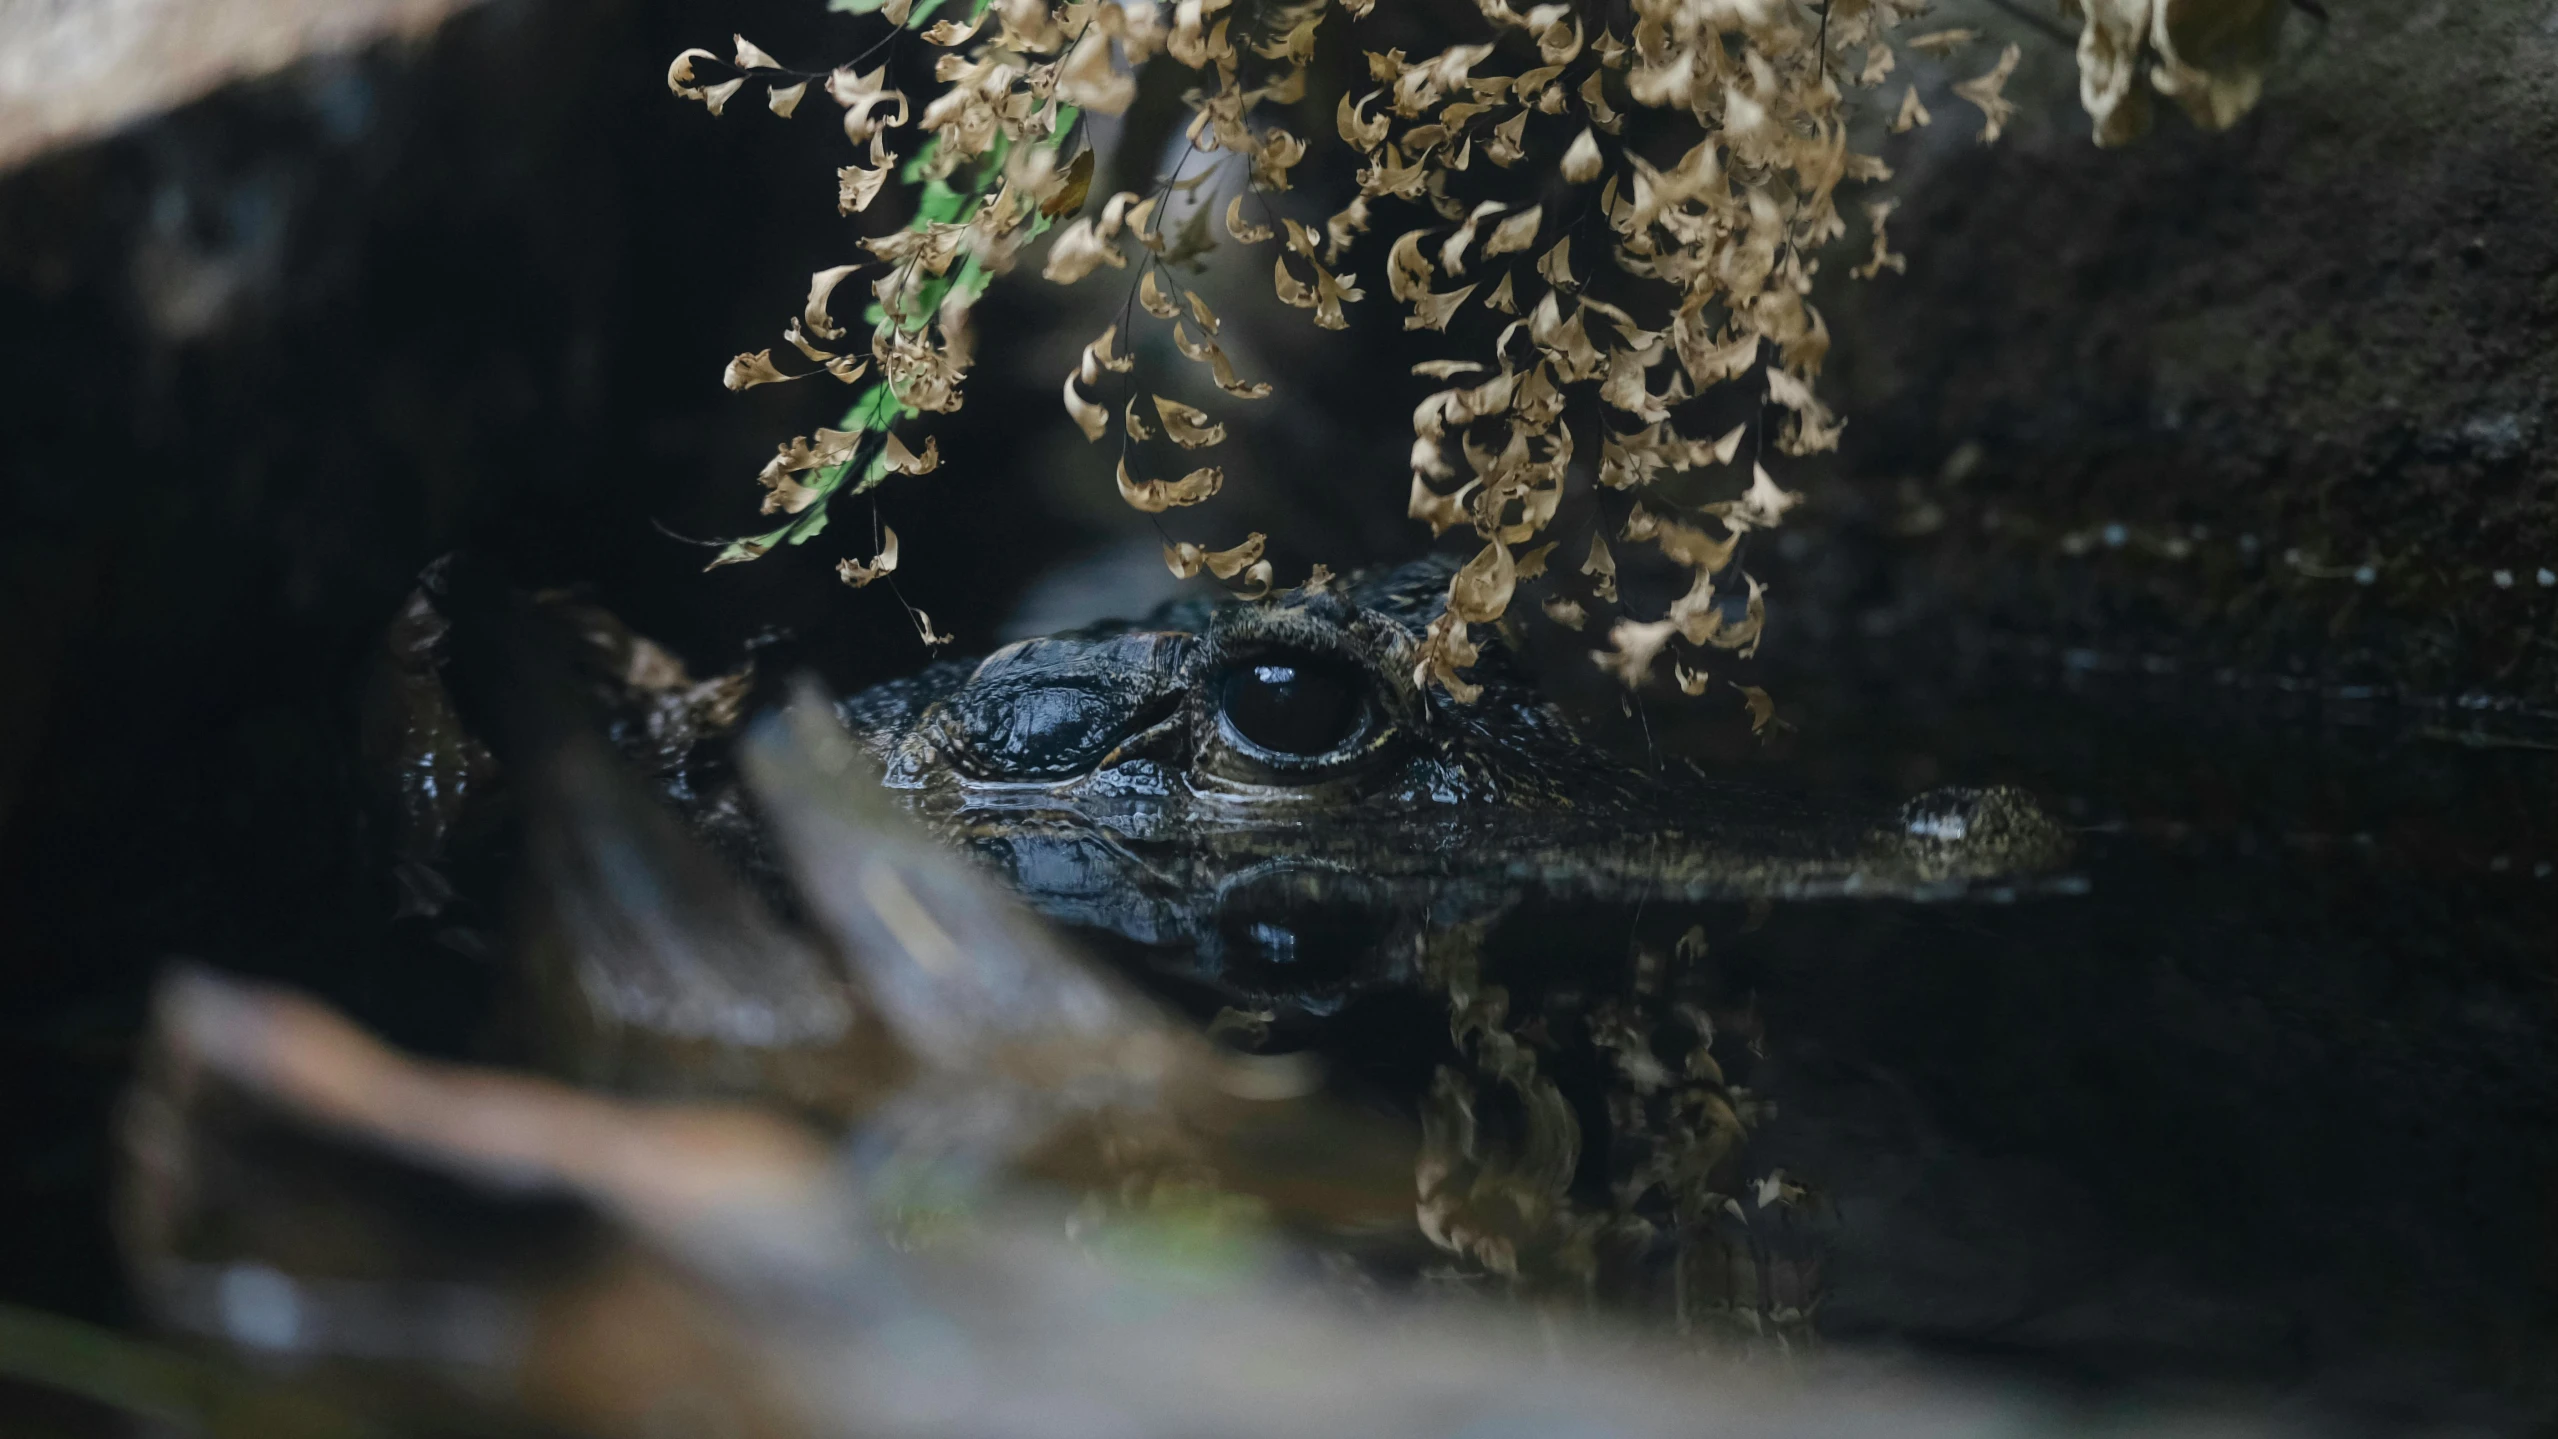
[{"x": 1295, "y": 707}]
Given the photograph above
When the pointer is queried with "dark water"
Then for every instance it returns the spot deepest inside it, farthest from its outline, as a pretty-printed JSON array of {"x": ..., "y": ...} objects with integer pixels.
[
  {"x": 2270, "y": 1104},
  {"x": 2265, "y": 1113}
]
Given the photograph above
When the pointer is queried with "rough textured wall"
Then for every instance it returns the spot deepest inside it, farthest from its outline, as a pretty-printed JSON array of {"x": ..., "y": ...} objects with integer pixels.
[{"x": 2272, "y": 399}]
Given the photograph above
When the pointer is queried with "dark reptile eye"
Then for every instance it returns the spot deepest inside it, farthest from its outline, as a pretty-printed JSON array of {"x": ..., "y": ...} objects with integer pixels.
[{"x": 1295, "y": 707}]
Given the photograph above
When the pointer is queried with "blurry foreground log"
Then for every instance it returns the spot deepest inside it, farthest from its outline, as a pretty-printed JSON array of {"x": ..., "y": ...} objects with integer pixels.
[
  {"x": 445, "y": 1246},
  {"x": 70, "y": 69},
  {"x": 465, "y": 1246}
]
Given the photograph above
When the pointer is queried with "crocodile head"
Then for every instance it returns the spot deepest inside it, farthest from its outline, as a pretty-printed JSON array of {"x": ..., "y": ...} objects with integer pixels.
[{"x": 1261, "y": 793}]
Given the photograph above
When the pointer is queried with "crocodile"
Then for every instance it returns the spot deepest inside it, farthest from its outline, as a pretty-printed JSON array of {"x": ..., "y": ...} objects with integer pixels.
[{"x": 1260, "y": 794}]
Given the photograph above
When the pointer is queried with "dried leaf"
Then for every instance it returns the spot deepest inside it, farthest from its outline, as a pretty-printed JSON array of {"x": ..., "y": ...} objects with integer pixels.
[
  {"x": 1331, "y": 293},
  {"x": 1632, "y": 647},
  {"x": 1078, "y": 250},
  {"x": 1441, "y": 512},
  {"x": 1516, "y": 233},
  {"x": 1153, "y": 497},
  {"x": 1730, "y": 445},
  {"x": 1912, "y": 115},
  {"x": 814, "y": 316},
  {"x": 1479, "y": 592},
  {"x": 856, "y": 186},
  {"x": 1152, "y": 299},
  {"x": 1141, "y": 218},
  {"x": 799, "y": 340},
  {"x": 1942, "y": 43},
  {"x": 1290, "y": 289},
  {"x": 1594, "y": 99},
  {"x": 1452, "y": 254},
  {"x": 1346, "y": 224},
  {"x": 1444, "y": 650},
  {"x": 751, "y": 58},
  {"x": 863, "y": 98},
  {"x": 1090, "y": 418},
  {"x": 1762, "y": 708},
  {"x": 924, "y": 630},
  {"x": 1691, "y": 682},
  {"x": 1444, "y": 369},
  {"x": 1581, "y": 160},
  {"x": 1987, "y": 92},
  {"x": 1362, "y": 135},
  {"x": 1073, "y": 186},
  {"x": 1565, "y": 611},
  {"x": 2212, "y": 59},
  {"x": 1433, "y": 311},
  {"x": 1211, "y": 354},
  {"x": 1683, "y": 545},
  {"x": 1243, "y": 233},
  {"x": 1601, "y": 567},
  {"x": 716, "y": 98},
  {"x": 679, "y": 74},
  {"x": 1186, "y": 560},
  {"x": 1765, "y": 504},
  {"x": 1408, "y": 271},
  {"x": 857, "y": 574},
  {"x": 895, "y": 457},
  {"x": 786, "y": 496},
  {"x": 784, "y": 99},
  {"x": 747, "y": 371},
  {"x": 1877, "y": 212},
  {"x": 1188, "y": 428},
  {"x": 1098, "y": 357},
  {"x": 1556, "y": 266}
]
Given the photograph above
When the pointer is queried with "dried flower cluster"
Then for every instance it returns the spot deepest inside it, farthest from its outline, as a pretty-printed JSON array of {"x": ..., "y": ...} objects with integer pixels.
[
  {"x": 1668, "y": 251},
  {"x": 1014, "y": 77},
  {"x": 2209, "y": 56}
]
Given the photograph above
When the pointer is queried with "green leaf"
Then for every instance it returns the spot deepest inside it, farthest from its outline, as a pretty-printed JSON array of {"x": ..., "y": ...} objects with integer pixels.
[{"x": 877, "y": 407}]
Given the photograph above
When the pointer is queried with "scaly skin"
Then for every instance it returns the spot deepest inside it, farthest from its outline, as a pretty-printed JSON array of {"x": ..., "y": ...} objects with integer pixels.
[{"x": 1096, "y": 771}]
